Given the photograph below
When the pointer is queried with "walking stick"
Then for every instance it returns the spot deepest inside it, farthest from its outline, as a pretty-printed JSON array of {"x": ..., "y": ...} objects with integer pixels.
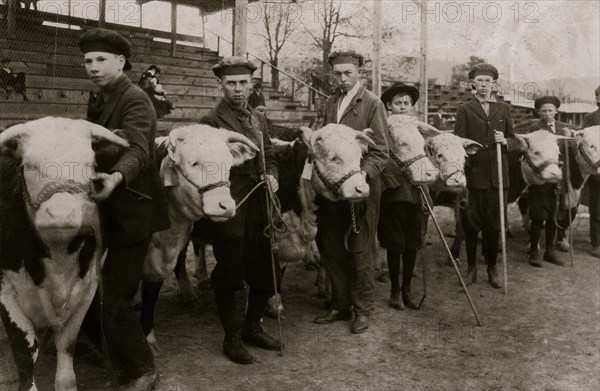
[
  {"x": 502, "y": 222},
  {"x": 423, "y": 195},
  {"x": 568, "y": 167},
  {"x": 271, "y": 227}
]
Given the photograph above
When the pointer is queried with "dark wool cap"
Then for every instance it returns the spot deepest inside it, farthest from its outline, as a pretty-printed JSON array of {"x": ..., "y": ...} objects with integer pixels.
[
  {"x": 483, "y": 69},
  {"x": 102, "y": 40},
  {"x": 400, "y": 88},
  {"x": 539, "y": 102},
  {"x": 346, "y": 57},
  {"x": 234, "y": 65}
]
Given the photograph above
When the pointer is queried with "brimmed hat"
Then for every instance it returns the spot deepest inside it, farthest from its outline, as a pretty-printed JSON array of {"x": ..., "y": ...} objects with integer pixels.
[
  {"x": 234, "y": 65},
  {"x": 102, "y": 40},
  {"x": 399, "y": 88},
  {"x": 345, "y": 57},
  {"x": 539, "y": 102},
  {"x": 483, "y": 69}
]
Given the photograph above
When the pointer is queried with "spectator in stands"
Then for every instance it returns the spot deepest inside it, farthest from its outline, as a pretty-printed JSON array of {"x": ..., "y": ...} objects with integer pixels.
[
  {"x": 158, "y": 96},
  {"x": 437, "y": 120},
  {"x": 256, "y": 98},
  {"x": 12, "y": 81}
]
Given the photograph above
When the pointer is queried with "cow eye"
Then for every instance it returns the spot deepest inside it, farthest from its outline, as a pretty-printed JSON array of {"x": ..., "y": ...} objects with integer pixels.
[
  {"x": 439, "y": 156},
  {"x": 195, "y": 164}
]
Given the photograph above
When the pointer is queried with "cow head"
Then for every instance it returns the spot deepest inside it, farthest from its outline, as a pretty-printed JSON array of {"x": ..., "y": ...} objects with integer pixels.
[
  {"x": 197, "y": 167},
  {"x": 449, "y": 152},
  {"x": 588, "y": 150},
  {"x": 336, "y": 151},
  {"x": 540, "y": 157},
  {"x": 407, "y": 150},
  {"x": 58, "y": 163}
]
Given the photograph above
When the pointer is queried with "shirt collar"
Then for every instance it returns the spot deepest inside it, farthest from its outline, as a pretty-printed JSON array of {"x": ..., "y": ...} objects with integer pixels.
[
  {"x": 491, "y": 99},
  {"x": 353, "y": 91}
]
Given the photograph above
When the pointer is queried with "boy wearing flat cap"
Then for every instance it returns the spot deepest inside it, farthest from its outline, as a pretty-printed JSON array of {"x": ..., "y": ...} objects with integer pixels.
[
  {"x": 242, "y": 251},
  {"x": 133, "y": 202},
  {"x": 352, "y": 273},
  {"x": 543, "y": 198},
  {"x": 401, "y": 220},
  {"x": 488, "y": 122},
  {"x": 593, "y": 119}
]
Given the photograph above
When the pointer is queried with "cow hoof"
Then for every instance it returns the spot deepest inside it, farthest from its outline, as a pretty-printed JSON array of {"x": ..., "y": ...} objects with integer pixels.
[
  {"x": 204, "y": 285},
  {"x": 153, "y": 343}
]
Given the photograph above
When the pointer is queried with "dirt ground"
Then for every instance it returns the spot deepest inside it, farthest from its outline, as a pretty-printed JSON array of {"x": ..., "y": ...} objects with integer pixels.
[{"x": 543, "y": 335}]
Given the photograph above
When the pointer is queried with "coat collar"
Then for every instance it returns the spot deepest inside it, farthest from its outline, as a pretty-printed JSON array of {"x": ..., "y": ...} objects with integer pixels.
[
  {"x": 476, "y": 106},
  {"x": 113, "y": 92},
  {"x": 226, "y": 114},
  {"x": 352, "y": 106}
]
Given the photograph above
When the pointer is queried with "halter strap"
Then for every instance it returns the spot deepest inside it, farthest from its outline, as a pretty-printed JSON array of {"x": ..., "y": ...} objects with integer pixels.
[
  {"x": 405, "y": 165},
  {"x": 52, "y": 188},
  {"x": 334, "y": 187},
  {"x": 537, "y": 171},
  {"x": 586, "y": 158},
  {"x": 202, "y": 189}
]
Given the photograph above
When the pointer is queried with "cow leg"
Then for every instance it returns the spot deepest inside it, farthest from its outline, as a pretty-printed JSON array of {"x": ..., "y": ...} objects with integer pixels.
[
  {"x": 65, "y": 338},
  {"x": 150, "y": 291},
  {"x": 23, "y": 341},
  {"x": 201, "y": 273},
  {"x": 323, "y": 284},
  {"x": 459, "y": 237},
  {"x": 185, "y": 287}
]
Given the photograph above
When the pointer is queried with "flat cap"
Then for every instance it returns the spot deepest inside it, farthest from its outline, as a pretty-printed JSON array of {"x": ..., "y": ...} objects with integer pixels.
[
  {"x": 234, "y": 65},
  {"x": 539, "y": 102},
  {"x": 400, "y": 88},
  {"x": 103, "y": 40},
  {"x": 345, "y": 57},
  {"x": 483, "y": 69}
]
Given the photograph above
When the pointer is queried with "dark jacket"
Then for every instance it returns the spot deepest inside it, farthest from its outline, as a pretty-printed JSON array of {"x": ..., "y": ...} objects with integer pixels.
[
  {"x": 481, "y": 169},
  {"x": 592, "y": 119},
  {"x": 137, "y": 207},
  {"x": 365, "y": 111},
  {"x": 243, "y": 177},
  {"x": 255, "y": 100}
]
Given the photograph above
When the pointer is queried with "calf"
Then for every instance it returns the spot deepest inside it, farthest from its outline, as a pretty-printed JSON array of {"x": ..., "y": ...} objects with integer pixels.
[
  {"x": 50, "y": 243},
  {"x": 195, "y": 172}
]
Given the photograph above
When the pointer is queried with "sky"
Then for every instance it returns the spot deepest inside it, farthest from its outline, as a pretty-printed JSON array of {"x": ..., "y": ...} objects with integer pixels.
[{"x": 526, "y": 40}]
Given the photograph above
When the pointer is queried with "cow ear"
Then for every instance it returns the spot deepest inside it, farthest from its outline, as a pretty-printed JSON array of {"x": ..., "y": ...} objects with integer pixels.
[
  {"x": 429, "y": 147},
  {"x": 558, "y": 137},
  {"x": 522, "y": 142},
  {"x": 176, "y": 136},
  {"x": 364, "y": 140},
  {"x": 426, "y": 130},
  {"x": 10, "y": 139},
  {"x": 306, "y": 135},
  {"x": 471, "y": 147},
  {"x": 240, "y": 146},
  {"x": 578, "y": 133}
]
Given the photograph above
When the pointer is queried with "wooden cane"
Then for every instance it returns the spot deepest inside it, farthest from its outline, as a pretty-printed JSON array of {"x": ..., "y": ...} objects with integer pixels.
[
  {"x": 568, "y": 180},
  {"x": 462, "y": 282},
  {"x": 502, "y": 222}
]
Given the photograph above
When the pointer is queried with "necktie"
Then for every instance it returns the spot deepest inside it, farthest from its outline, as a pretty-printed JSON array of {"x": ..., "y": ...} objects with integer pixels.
[{"x": 95, "y": 106}]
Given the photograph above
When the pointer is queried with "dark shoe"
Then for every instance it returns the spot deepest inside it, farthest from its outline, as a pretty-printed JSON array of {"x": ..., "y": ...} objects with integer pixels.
[
  {"x": 235, "y": 350},
  {"x": 595, "y": 252},
  {"x": 146, "y": 382},
  {"x": 360, "y": 324},
  {"x": 563, "y": 245},
  {"x": 254, "y": 334},
  {"x": 333, "y": 316},
  {"x": 550, "y": 256},
  {"x": 408, "y": 299},
  {"x": 471, "y": 275},
  {"x": 534, "y": 259},
  {"x": 493, "y": 277},
  {"x": 395, "y": 301}
]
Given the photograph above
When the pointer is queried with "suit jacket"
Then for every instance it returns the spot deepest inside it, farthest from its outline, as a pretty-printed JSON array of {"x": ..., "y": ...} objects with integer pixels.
[
  {"x": 137, "y": 207},
  {"x": 481, "y": 169},
  {"x": 365, "y": 111},
  {"x": 562, "y": 130}
]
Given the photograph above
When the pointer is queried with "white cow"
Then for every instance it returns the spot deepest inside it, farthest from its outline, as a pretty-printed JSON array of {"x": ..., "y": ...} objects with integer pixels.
[{"x": 50, "y": 247}]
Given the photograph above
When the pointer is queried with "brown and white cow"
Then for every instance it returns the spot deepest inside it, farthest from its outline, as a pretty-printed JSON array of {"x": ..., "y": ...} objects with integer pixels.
[
  {"x": 50, "y": 247},
  {"x": 588, "y": 150},
  {"x": 195, "y": 173}
]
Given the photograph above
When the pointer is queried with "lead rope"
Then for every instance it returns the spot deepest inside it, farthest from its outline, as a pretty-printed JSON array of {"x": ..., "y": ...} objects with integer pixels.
[{"x": 426, "y": 214}]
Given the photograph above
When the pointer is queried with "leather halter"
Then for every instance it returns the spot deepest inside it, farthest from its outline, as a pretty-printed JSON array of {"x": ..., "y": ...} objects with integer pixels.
[
  {"x": 586, "y": 158},
  {"x": 405, "y": 164},
  {"x": 334, "y": 187},
  {"x": 205, "y": 188},
  {"x": 52, "y": 188},
  {"x": 537, "y": 170}
]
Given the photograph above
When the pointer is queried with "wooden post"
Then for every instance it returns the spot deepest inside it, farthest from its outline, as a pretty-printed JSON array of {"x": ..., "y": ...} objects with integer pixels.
[
  {"x": 11, "y": 17},
  {"x": 240, "y": 28},
  {"x": 141, "y": 15},
  {"x": 173, "y": 27},
  {"x": 102, "y": 14},
  {"x": 377, "y": 33},
  {"x": 423, "y": 64}
]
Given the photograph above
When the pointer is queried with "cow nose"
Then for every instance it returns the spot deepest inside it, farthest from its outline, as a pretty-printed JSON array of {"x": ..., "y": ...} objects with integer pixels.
[{"x": 222, "y": 206}]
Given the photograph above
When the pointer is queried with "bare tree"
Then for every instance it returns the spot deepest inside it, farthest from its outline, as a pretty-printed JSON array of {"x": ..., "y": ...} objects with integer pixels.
[{"x": 279, "y": 27}]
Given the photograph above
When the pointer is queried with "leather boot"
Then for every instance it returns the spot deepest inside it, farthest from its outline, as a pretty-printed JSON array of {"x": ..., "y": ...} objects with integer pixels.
[
  {"x": 493, "y": 276},
  {"x": 234, "y": 349},
  {"x": 471, "y": 275},
  {"x": 395, "y": 301},
  {"x": 254, "y": 334},
  {"x": 408, "y": 299},
  {"x": 550, "y": 256},
  {"x": 534, "y": 258}
]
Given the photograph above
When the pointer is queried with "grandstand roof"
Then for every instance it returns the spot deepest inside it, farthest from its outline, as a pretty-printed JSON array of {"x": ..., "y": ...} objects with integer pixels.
[{"x": 207, "y": 6}]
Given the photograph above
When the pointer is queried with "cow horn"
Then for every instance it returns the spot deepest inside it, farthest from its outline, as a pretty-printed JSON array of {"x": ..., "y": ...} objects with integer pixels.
[
  {"x": 363, "y": 137},
  {"x": 12, "y": 133},
  {"x": 97, "y": 131},
  {"x": 236, "y": 137},
  {"x": 427, "y": 130}
]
